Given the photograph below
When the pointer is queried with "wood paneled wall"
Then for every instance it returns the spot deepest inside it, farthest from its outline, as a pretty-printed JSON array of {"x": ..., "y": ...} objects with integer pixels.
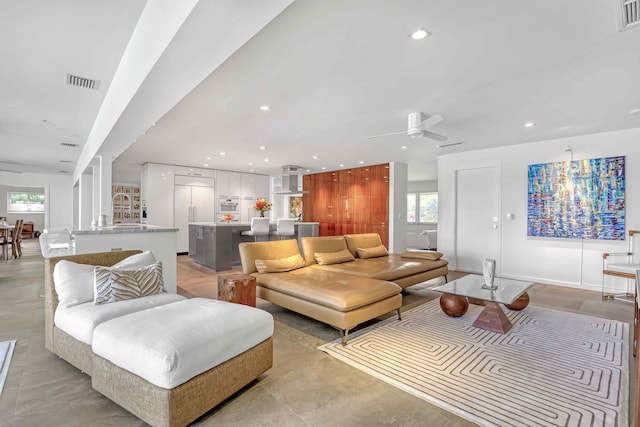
[{"x": 349, "y": 201}]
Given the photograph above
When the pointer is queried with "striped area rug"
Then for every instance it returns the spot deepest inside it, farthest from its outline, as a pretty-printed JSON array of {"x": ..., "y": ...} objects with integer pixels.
[{"x": 552, "y": 369}]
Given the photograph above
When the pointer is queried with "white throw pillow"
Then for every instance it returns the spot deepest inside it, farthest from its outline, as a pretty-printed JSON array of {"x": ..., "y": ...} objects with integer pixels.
[
  {"x": 136, "y": 261},
  {"x": 75, "y": 283}
]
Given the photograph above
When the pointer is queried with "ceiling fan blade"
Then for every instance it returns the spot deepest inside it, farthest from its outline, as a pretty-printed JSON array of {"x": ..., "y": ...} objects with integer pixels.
[
  {"x": 434, "y": 135},
  {"x": 385, "y": 134},
  {"x": 433, "y": 120}
]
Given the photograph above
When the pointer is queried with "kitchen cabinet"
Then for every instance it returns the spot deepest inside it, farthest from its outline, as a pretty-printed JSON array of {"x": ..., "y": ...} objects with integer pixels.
[
  {"x": 157, "y": 193},
  {"x": 262, "y": 186},
  {"x": 248, "y": 186},
  {"x": 228, "y": 184},
  {"x": 194, "y": 202},
  {"x": 187, "y": 171}
]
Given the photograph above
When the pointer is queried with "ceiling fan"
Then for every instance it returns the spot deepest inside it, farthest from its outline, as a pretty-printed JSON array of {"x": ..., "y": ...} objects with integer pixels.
[{"x": 417, "y": 126}]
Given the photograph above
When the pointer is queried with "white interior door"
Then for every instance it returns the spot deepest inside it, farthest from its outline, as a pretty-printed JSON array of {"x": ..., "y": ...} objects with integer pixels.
[
  {"x": 182, "y": 216},
  {"x": 477, "y": 218}
]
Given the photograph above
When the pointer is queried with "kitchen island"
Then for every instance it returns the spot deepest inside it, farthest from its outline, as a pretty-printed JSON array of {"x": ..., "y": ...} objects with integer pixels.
[
  {"x": 215, "y": 244},
  {"x": 161, "y": 241}
]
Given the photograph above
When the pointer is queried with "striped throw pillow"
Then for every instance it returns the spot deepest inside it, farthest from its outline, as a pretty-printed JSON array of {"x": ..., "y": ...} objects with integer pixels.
[{"x": 113, "y": 285}]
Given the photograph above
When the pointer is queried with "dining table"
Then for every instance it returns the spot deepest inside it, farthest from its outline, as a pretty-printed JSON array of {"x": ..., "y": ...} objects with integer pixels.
[{"x": 5, "y": 232}]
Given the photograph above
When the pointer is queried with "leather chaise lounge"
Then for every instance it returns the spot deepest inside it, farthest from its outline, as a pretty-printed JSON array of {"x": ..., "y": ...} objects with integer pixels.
[{"x": 331, "y": 285}]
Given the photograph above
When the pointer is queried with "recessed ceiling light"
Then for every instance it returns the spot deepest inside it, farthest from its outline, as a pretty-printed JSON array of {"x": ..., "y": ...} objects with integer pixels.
[
  {"x": 266, "y": 160},
  {"x": 404, "y": 147},
  {"x": 250, "y": 170},
  {"x": 206, "y": 165},
  {"x": 265, "y": 107},
  {"x": 529, "y": 124},
  {"x": 250, "y": 163},
  {"x": 263, "y": 147},
  {"x": 208, "y": 157},
  {"x": 419, "y": 34},
  {"x": 361, "y": 162},
  {"x": 634, "y": 111},
  {"x": 324, "y": 168},
  {"x": 315, "y": 157},
  {"x": 222, "y": 153},
  {"x": 341, "y": 165},
  {"x": 308, "y": 170}
]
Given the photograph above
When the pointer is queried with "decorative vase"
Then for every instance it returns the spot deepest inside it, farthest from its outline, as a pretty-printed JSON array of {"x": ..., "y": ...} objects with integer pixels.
[
  {"x": 489, "y": 273},
  {"x": 261, "y": 214}
]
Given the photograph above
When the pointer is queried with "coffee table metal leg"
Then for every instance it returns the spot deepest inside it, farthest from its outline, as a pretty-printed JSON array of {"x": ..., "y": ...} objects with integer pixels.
[
  {"x": 454, "y": 305},
  {"x": 492, "y": 318}
]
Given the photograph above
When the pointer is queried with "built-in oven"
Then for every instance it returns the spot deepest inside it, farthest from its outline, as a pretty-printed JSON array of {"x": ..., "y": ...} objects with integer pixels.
[{"x": 228, "y": 205}]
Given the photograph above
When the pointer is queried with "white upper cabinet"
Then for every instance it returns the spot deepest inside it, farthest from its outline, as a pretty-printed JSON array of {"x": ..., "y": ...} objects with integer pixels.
[
  {"x": 187, "y": 171},
  {"x": 248, "y": 191},
  {"x": 222, "y": 184},
  {"x": 235, "y": 184},
  {"x": 262, "y": 186}
]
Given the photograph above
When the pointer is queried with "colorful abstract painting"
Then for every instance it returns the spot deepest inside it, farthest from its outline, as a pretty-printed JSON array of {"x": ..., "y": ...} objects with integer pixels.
[{"x": 579, "y": 199}]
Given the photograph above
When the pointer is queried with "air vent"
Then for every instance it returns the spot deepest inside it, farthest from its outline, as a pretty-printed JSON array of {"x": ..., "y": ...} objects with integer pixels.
[
  {"x": 451, "y": 144},
  {"x": 82, "y": 82},
  {"x": 69, "y": 145},
  {"x": 628, "y": 12},
  {"x": 66, "y": 161}
]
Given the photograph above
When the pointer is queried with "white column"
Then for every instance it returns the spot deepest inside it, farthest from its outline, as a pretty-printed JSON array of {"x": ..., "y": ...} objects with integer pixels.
[
  {"x": 398, "y": 181},
  {"x": 106, "y": 201}
]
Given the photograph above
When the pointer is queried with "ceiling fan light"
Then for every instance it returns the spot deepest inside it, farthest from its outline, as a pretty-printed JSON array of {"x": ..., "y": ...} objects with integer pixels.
[{"x": 420, "y": 34}]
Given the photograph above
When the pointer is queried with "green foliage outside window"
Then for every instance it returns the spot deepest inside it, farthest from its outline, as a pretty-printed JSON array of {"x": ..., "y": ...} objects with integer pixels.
[
  {"x": 422, "y": 208},
  {"x": 25, "y": 202}
]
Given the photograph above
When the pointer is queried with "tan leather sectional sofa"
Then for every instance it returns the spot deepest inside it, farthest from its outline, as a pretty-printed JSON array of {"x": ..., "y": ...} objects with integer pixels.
[{"x": 342, "y": 291}]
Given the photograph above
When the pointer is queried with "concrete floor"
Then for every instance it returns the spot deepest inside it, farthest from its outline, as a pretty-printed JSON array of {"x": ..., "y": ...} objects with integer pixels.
[{"x": 304, "y": 387}]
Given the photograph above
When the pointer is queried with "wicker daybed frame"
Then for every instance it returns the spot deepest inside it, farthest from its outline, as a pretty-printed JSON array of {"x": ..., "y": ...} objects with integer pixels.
[{"x": 155, "y": 405}]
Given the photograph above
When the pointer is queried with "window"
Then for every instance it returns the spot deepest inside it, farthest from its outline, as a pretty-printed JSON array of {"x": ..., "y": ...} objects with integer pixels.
[
  {"x": 422, "y": 208},
  {"x": 25, "y": 202}
]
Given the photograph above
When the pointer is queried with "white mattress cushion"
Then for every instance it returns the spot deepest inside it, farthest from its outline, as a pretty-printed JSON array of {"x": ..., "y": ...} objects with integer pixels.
[
  {"x": 80, "y": 320},
  {"x": 171, "y": 344}
]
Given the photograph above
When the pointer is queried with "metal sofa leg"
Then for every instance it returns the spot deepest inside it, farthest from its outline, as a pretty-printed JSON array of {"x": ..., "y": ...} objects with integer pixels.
[
  {"x": 344, "y": 334},
  {"x": 399, "y": 315}
]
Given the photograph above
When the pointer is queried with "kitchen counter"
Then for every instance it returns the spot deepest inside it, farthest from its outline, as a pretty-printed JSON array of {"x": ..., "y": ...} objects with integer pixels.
[
  {"x": 161, "y": 241},
  {"x": 124, "y": 228},
  {"x": 215, "y": 244}
]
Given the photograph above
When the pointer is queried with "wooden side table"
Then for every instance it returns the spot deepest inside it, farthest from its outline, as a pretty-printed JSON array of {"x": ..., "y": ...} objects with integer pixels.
[{"x": 237, "y": 288}]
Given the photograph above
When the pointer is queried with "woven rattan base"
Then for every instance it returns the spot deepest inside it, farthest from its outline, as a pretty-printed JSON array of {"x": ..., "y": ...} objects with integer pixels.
[{"x": 185, "y": 403}]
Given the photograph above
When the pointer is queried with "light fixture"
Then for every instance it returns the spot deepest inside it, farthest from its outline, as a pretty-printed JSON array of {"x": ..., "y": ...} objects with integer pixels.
[
  {"x": 420, "y": 34},
  {"x": 266, "y": 160},
  {"x": 250, "y": 170},
  {"x": 208, "y": 157},
  {"x": 324, "y": 168},
  {"x": 222, "y": 153},
  {"x": 308, "y": 170},
  {"x": 206, "y": 165},
  {"x": 315, "y": 157},
  {"x": 265, "y": 107},
  {"x": 250, "y": 163},
  {"x": 404, "y": 147},
  {"x": 529, "y": 124},
  {"x": 361, "y": 162},
  {"x": 634, "y": 111},
  {"x": 341, "y": 165},
  {"x": 262, "y": 147}
]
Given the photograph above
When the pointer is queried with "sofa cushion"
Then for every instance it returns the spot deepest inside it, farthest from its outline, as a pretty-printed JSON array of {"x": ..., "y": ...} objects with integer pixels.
[
  {"x": 201, "y": 334},
  {"x": 324, "y": 244},
  {"x": 390, "y": 268},
  {"x": 117, "y": 284},
  {"x": 74, "y": 282},
  {"x": 431, "y": 255},
  {"x": 337, "y": 291},
  {"x": 280, "y": 265},
  {"x": 326, "y": 258},
  {"x": 374, "y": 252},
  {"x": 80, "y": 320},
  {"x": 362, "y": 241}
]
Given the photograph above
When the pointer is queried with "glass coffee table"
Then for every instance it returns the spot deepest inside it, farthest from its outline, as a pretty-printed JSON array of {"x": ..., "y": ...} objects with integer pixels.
[{"x": 456, "y": 295}]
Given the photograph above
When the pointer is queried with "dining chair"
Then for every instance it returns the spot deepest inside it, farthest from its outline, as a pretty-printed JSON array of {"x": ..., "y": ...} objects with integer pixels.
[
  {"x": 18, "y": 238},
  {"x": 623, "y": 265},
  {"x": 285, "y": 227},
  {"x": 636, "y": 319},
  {"x": 15, "y": 239},
  {"x": 259, "y": 227}
]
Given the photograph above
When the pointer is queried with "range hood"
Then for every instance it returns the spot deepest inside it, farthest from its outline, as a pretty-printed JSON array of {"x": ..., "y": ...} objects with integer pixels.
[{"x": 291, "y": 181}]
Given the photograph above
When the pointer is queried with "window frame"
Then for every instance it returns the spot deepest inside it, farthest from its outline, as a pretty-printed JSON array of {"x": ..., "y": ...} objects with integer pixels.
[
  {"x": 11, "y": 206},
  {"x": 416, "y": 211}
]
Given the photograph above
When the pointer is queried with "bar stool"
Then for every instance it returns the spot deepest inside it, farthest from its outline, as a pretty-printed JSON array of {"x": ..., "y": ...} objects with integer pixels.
[
  {"x": 285, "y": 228},
  {"x": 259, "y": 227}
]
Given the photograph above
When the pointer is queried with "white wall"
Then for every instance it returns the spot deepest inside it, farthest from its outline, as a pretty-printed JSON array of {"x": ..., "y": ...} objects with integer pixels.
[
  {"x": 397, "y": 207},
  {"x": 569, "y": 262},
  {"x": 58, "y": 190}
]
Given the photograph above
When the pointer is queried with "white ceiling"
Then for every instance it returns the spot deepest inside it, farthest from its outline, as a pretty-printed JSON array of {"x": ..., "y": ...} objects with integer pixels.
[{"x": 333, "y": 72}]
